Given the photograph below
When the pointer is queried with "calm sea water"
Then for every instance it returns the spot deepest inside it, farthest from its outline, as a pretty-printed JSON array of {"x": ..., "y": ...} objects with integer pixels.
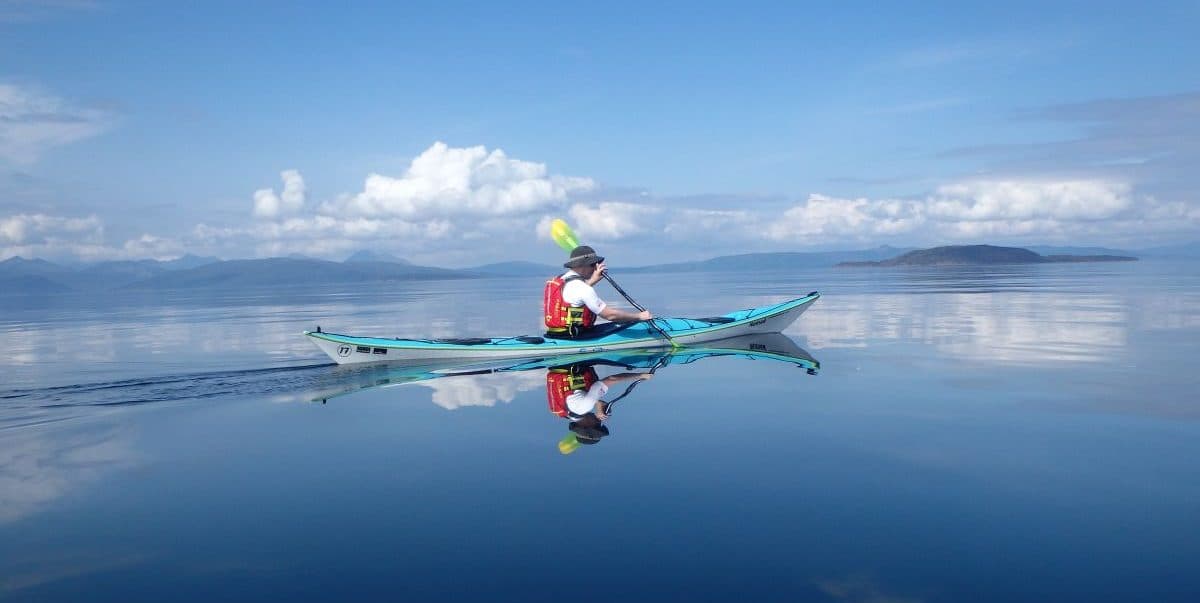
[{"x": 1000, "y": 434}]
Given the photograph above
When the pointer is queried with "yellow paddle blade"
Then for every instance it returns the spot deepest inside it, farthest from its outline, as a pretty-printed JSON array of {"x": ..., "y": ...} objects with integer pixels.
[
  {"x": 568, "y": 444},
  {"x": 563, "y": 236}
]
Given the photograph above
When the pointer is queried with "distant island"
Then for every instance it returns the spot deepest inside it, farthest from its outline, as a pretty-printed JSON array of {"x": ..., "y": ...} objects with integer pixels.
[{"x": 965, "y": 255}]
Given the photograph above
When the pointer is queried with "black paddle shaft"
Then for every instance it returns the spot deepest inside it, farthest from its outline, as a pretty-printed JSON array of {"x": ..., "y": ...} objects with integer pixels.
[
  {"x": 622, "y": 292},
  {"x": 636, "y": 305},
  {"x": 608, "y": 406}
]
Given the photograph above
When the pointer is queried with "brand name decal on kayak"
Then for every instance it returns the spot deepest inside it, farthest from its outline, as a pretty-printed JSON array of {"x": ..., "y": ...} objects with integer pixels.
[{"x": 755, "y": 323}]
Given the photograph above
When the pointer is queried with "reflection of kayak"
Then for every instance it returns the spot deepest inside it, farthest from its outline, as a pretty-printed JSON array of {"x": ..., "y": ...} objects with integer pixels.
[
  {"x": 766, "y": 346},
  {"x": 347, "y": 349}
]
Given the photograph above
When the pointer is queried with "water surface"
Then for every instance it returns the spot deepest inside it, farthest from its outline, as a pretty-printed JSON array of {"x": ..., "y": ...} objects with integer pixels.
[{"x": 999, "y": 434}]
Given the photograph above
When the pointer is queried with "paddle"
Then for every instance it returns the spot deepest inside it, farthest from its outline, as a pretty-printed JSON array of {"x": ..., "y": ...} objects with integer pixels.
[{"x": 565, "y": 238}]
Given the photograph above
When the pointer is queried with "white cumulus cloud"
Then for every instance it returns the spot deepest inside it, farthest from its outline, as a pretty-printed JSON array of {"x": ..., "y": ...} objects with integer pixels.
[
  {"x": 40, "y": 228},
  {"x": 826, "y": 219},
  {"x": 268, "y": 204},
  {"x": 1030, "y": 200},
  {"x": 612, "y": 220},
  {"x": 445, "y": 181},
  {"x": 78, "y": 238},
  {"x": 986, "y": 211},
  {"x": 448, "y": 197}
]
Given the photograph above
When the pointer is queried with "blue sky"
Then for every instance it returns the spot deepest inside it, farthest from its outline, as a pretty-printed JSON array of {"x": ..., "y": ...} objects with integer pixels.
[{"x": 146, "y": 129}]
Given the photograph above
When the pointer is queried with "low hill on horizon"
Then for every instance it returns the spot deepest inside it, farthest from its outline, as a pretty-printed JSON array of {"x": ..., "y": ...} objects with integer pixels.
[
  {"x": 367, "y": 255},
  {"x": 98, "y": 276},
  {"x": 291, "y": 271},
  {"x": 961, "y": 255}
]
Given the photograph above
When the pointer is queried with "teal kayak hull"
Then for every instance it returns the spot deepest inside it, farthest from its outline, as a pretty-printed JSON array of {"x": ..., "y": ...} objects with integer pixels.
[
  {"x": 769, "y": 346},
  {"x": 349, "y": 349}
]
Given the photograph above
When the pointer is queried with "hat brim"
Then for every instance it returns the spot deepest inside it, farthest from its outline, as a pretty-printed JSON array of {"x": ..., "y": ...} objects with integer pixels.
[
  {"x": 590, "y": 434},
  {"x": 583, "y": 260}
]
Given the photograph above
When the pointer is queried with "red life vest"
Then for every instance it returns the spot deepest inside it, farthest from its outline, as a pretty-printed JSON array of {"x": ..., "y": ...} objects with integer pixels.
[
  {"x": 562, "y": 317},
  {"x": 562, "y": 382}
]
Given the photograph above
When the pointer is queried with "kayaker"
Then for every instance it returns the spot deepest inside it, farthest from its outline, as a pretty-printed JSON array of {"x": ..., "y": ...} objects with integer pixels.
[{"x": 570, "y": 302}]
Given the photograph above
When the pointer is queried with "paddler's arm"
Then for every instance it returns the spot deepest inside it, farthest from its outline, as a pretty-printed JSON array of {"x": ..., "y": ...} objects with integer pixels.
[
  {"x": 601, "y": 407},
  {"x": 612, "y": 380},
  {"x": 615, "y": 315}
]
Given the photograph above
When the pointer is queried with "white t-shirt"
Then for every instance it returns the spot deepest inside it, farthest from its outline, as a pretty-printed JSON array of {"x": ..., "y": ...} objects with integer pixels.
[
  {"x": 582, "y": 402},
  {"x": 578, "y": 293}
]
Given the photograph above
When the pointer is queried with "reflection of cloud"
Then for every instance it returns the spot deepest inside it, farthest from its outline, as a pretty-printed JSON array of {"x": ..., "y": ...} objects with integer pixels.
[
  {"x": 40, "y": 464},
  {"x": 483, "y": 390},
  {"x": 858, "y": 589},
  {"x": 1011, "y": 328},
  {"x": 1170, "y": 312},
  {"x": 29, "y": 573}
]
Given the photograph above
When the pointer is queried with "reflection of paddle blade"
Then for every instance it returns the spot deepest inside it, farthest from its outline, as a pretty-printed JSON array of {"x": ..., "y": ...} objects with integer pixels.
[
  {"x": 563, "y": 235},
  {"x": 568, "y": 444}
]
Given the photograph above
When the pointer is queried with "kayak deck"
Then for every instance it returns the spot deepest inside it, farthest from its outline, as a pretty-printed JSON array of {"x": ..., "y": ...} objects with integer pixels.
[{"x": 766, "y": 319}]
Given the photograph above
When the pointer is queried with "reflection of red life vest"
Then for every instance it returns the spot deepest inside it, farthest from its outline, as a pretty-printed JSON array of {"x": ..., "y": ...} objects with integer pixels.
[
  {"x": 562, "y": 382},
  {"x": 561, "y": 317}
]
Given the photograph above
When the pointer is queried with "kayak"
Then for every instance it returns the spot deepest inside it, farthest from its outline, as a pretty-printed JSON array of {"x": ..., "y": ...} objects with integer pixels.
[
  {"x": 350, "y": 349},
  {"x": 768, "y": 346}
]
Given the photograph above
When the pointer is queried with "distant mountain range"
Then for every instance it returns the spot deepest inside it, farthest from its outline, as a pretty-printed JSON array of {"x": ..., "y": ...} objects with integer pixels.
[
  {"x": 20, "y": 276},
  {"x": 958, "y": 255},
  {"x": 367, "y": 255}
]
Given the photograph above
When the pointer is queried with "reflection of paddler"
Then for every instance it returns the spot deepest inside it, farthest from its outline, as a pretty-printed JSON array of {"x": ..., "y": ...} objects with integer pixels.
[{"x": 574, "y": 392}]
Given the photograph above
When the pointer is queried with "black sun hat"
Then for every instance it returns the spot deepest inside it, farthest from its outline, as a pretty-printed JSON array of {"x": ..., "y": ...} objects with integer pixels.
[
  {"x": 583, "y": 256},
  {"x": 588, "y": 432}
]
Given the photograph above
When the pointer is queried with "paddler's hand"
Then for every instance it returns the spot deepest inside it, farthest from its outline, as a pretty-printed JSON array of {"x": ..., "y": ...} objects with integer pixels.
[
  {"x": 598, "y": 274},
  {"x": 645, "y": 315}
]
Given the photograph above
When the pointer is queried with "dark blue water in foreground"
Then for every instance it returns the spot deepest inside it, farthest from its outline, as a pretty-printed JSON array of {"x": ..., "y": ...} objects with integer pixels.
[{"x": 1008, "y": 434}]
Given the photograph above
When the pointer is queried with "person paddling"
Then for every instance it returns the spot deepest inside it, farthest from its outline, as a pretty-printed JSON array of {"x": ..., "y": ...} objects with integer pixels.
[{"x": 570, "y": 302}]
